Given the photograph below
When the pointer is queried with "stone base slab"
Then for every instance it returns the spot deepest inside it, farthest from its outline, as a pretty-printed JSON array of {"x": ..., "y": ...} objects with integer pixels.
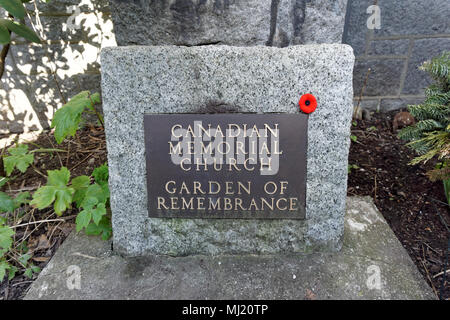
[{"x": 372, "y": 265}]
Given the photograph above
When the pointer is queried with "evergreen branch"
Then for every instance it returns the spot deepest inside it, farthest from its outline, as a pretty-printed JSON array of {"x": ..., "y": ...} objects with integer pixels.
[
  {"x": 439, "y": 67},
  {"x": 433, "y": 111}
]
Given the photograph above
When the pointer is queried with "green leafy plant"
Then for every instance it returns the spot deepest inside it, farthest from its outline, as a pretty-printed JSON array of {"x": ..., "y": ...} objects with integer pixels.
[
  {"x": 89, "y": 194},
  {"x": 19, "y": 158},
  {"x": 430, "y": 136},
  {"x": 6, "y": 241},
  {"x": 94, "y": 197},
  {"x": 9, "y": 204},
  {"x": 11, "y": 255},
  {"x": 55, "y": 191},
  {"x": 101, "y": 175},
  {"x": 67, "y": 119},
  {"x": 24, "y": 260},
  {"x": 16, "y": 10},
  {"x": 91, "y": 198}
]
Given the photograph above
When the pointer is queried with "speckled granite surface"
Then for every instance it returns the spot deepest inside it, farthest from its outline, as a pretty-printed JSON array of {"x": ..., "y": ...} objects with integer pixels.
[{"x": 138, "y": 80}]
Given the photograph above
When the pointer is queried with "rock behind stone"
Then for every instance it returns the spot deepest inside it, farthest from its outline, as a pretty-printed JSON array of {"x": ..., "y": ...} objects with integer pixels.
[{"x": 277, "y": 23}]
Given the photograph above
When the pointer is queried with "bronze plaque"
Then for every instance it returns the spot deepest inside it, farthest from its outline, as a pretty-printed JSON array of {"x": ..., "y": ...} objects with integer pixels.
[{"x": 250, "y": 166}]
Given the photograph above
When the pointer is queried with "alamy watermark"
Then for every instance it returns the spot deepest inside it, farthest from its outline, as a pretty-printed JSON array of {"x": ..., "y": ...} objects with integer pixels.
[
  {"x": 73, "y": 280},
  {"x": 71, "y": 22},
  {"x": 373, "y": 277},
  {"x": 374, "y": 20},
  {"x": 255, "y": 148}
]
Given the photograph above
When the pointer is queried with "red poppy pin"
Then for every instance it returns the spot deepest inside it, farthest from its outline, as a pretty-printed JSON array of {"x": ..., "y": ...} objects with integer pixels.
[{"x": 308, "y": 103}]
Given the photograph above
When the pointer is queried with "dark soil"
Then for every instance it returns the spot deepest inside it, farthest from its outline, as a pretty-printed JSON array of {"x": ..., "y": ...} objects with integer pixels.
[
  {"x": 403, "y": 194},
  {"x": 84, "y": 153},
  {"x": 414, "y": 207}
]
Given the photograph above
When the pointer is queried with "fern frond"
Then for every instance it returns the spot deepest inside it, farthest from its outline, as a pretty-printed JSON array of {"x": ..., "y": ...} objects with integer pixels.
[
  {"x": 409, "y": 133},
  {"x": 433, "y": 89},
  {"x": 438, "y": 98},
  {"x": 429, "y": 124},
  {"x": 434, "y": 111},
  {"x": 430, "y": 135},
  {"x": 439, "y": 67},
  {"x": 429, "y": 146}
]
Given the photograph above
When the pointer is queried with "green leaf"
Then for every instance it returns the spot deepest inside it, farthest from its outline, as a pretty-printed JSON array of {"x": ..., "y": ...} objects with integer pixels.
[
  {"x": 95, "y": 97},
  {"x": 5, "y": 37},
  {"x": 12, "y": 272},
  {"x": 23, "y": 259},
  {"x": 352, "y": 166},
  {"x": 89, "y": 203},
  {"x": 103, "y": 228},
  {"x": 43, "y": 197},
  {"x": 68, "y": 117},
  {"x": 58, "y": 178},
  {"x": 353, "y": 138},
  {"x": 20, "y": 30},
  {"x": 105, "y": 188},
  {"x": 21, "y": 198},
  {"x": 19, "y": 158},
  {"x": 63, "y": 200},
  {"x": 22, "y": 247},
  {"x": 29, "y": 273},
  {"x": 6, "y": 203},
  {"x": 101, "y": 174},
  {"x": 98, "y": 213},
  {"x": 83, "y": 219},
  {"x": 15, "y": 7},
  {"x": 80, "y": 184},
  {"x": 96, "y": 191},
  {"x": 3, "y": 267},
  {"x": 6, "y": 241},
  {"x": 35, "y": 269},
  {"x": 55, "y": 190}
]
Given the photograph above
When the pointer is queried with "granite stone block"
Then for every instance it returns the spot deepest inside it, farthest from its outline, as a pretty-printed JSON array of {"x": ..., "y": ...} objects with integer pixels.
[{"x": 168, "y": 79}]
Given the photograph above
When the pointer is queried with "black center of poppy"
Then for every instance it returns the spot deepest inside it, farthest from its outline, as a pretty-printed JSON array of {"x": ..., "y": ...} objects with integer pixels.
[{"x": 307, "y": 103}]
